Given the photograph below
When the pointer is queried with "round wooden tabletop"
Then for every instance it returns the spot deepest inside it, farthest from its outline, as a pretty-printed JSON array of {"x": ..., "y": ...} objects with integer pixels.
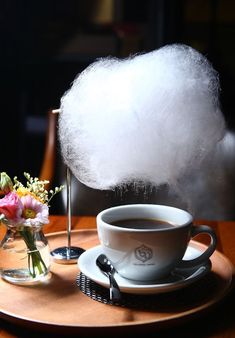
[{"x": 58, "y": 305}]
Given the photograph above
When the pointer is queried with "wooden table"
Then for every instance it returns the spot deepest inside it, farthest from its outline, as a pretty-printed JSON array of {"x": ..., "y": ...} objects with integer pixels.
[{"x": 218, "y": 322}]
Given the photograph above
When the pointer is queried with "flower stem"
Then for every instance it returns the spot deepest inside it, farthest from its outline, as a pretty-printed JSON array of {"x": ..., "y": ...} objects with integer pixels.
[{"x": 35, "y": 262}]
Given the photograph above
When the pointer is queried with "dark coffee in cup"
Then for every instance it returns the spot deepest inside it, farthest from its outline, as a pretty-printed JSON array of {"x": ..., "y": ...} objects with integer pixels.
[{"x": 142, "y": 223}]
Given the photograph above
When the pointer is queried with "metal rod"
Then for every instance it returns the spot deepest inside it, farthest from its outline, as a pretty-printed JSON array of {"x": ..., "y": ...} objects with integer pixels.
[
  {"x": 67, "y": 254},
  {"x": 68, "y": 179}
]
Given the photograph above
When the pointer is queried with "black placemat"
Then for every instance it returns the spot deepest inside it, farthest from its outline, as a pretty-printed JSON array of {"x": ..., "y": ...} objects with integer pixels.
[{"x": 185, "y": 298}]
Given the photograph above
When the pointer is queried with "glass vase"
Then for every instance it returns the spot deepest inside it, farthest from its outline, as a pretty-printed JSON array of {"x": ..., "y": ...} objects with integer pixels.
[{"x": 24, "y": 255}]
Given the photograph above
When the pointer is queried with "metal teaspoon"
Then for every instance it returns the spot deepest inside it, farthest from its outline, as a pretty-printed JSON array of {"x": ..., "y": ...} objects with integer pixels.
[{"x": 107, "y": 268}]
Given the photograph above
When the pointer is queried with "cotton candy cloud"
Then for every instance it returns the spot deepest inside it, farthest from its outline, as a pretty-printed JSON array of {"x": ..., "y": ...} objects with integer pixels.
[{"x": 150, "y": 118}]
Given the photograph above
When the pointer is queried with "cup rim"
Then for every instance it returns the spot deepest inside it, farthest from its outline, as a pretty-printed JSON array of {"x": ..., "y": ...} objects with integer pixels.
[{"x": 99, "y": 217}]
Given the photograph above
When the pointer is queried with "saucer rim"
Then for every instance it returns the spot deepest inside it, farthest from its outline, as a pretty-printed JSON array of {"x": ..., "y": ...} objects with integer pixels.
[{"x": 142, "y": 288}]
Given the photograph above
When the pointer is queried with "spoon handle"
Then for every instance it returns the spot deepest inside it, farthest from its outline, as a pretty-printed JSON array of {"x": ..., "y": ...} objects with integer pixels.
[{"x": 114, "y": 291}]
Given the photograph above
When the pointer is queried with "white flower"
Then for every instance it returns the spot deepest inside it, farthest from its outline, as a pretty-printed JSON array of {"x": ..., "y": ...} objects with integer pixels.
[{"x": 34, "y": 212}]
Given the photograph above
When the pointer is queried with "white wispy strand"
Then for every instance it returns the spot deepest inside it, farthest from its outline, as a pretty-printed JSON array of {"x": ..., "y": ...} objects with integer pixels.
[{"x": 148, "y": 118}]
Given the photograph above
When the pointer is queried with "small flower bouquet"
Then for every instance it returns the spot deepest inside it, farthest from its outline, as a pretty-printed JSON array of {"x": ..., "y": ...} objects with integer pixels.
[{"x": 24, "y": 209}]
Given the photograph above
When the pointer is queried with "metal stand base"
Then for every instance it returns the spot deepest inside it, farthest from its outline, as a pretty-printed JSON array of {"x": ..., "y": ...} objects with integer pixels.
[{"x": 66, "y": 255}]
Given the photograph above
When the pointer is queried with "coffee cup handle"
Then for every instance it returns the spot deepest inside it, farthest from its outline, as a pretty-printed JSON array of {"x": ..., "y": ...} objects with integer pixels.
[{"x": 199, "y": 229}]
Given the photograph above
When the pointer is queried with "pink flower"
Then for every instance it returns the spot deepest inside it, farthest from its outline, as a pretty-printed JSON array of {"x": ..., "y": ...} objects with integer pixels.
[
  {"x": 11, "y": 207},
  {"x": 34, "y": 213}
]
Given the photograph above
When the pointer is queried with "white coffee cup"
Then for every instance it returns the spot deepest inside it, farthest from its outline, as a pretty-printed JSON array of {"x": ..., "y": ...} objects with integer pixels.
[{"x": 147, "y": 252}]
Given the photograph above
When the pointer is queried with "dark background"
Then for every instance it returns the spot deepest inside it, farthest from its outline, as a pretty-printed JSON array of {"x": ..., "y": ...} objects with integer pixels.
[{"x": 45, "y": 44}]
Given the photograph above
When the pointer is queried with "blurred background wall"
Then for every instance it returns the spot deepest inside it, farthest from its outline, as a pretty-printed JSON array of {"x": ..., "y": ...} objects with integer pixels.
[{"x": 45, "y": 44}]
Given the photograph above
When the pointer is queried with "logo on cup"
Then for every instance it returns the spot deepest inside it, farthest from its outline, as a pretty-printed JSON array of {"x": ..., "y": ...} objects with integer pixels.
[{"x": 143, "y": 253}]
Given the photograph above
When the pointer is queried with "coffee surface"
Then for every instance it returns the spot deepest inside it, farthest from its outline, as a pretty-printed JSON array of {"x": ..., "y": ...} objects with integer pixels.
[{"x": 142, "y": 223}]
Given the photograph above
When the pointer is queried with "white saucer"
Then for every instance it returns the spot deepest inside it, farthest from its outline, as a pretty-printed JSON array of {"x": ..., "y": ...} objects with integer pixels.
[{"x": 178, "y": 280}]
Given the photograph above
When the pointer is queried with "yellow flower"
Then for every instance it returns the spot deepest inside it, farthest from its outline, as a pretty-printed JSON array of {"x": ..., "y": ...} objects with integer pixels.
[{"x": 22, "y": 191}]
